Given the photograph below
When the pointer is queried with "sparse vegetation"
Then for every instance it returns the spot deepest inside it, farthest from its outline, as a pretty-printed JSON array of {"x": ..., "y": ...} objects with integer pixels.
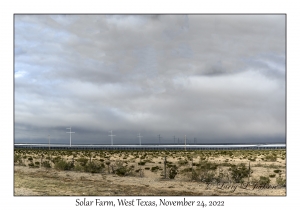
[
  {"x": 64, "y": 165},
  {"x": 238, "y": 172},
  {"x": 121, "y": 169},
  {"x": 281, "y": 181},
  {"x": 264, "y": 180},
  {"x": 46, "y": 164},
  {"x": 94, "y": 167},
  {"x": 172, "y": 171},
  {"x": 197, "y": 166}
]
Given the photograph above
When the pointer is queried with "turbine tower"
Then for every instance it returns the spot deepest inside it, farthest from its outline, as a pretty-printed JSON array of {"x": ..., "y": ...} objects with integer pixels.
[
  {"x": 70, "y": 135},
  {"x": 111, "y": 136},
  {"x": 140, "y": 138}
]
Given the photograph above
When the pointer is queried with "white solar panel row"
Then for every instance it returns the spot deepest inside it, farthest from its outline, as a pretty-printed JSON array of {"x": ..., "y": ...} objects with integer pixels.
[{"x": 196, "y": 147}]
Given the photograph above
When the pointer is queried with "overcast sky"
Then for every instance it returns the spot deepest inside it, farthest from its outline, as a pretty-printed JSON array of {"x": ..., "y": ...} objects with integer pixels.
[{"x": 216, "y": 78}]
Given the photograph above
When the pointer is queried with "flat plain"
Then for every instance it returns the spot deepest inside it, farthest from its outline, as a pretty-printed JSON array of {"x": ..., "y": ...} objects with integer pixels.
[{"x": 149, "y": 173}]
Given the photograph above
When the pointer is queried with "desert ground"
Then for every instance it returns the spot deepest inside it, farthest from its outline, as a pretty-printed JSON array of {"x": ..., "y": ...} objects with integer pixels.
[{"x": 149, "y": 173}]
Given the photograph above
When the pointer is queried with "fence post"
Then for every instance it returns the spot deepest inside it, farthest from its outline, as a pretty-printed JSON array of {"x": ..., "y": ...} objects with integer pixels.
[
  {"x": 249, "y": 172},
  {"x": 140, "y": 168},
  {"x": 165, "y": 163},
  {"x": 192, "y": 170}
]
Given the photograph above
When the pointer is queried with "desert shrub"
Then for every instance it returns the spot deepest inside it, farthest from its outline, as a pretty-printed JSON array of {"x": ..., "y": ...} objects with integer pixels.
[
  {"x": 194, "y": 175},
  {"x": 172, "y": 171},
  {"x": 272, "y": 175},
  {"x": 182, "y": 162},
  {"x": 205, "y": 165},
  {"x": 31, "y": 165},
  {"x": 64, "y": 165},
  {"x": 140, "y": 172},
  {"x": 30, "y": 159},
  {"x": 142, "y": 163},
  {"x": 121, "y": 170},
  {"x": 78, "y": 167},
  {"x": 189, "y": 158},
  {"x": 18, "y": 159},
  {"x": 46, "y": 164},
  {"x": 82, "y": 161},
  {"x": 264, "y": 180},
  {"x": 94, "y": 167},
  {"x": 154, "y": 168},
  {"x": 56, "y": 159},
  {"x": 147, "y": 168},
  {"x": 203, "y": 175},
  {"x": 238, "y": 172},
  {"x": 37, "y": 163},
  {"x": 277, "y": 171},
  {"x": 271, "y": 158},
  {"x": 281, "y": 181},
  {"x": 186, "y": 170}
]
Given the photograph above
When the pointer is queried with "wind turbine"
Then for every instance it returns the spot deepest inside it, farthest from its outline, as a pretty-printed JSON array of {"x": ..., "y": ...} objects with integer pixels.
[
  {"x": 70, "y": 135},
  {"x": 112, "y": 139},
  {"x": 140, "y": 138}
]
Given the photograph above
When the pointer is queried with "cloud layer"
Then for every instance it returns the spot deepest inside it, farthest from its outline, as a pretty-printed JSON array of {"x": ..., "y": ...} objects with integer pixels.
[{"x": 216, "y": 78}]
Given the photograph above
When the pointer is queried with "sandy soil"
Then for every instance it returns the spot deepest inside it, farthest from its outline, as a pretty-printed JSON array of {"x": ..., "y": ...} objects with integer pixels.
[{"x": 52, "y": 182}]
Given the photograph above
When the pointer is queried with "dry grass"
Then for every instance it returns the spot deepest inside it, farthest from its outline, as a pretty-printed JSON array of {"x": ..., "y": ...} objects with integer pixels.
[{"x": 37, "y": 180}]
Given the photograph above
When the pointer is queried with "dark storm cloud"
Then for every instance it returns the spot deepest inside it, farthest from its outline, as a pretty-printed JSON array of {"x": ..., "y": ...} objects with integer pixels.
[{"x": 214, "y": 77}]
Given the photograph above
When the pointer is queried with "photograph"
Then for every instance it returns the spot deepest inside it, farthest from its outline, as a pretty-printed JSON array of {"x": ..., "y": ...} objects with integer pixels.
[{"x": 149, "y": 105}]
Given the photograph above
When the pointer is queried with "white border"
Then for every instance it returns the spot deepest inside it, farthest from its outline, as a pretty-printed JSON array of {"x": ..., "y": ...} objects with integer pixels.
[{"x": 8, "y": 8}]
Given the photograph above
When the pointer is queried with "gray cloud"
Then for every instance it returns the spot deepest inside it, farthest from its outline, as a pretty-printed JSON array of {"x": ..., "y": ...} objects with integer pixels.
[{"x": 218, "y": 78}]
